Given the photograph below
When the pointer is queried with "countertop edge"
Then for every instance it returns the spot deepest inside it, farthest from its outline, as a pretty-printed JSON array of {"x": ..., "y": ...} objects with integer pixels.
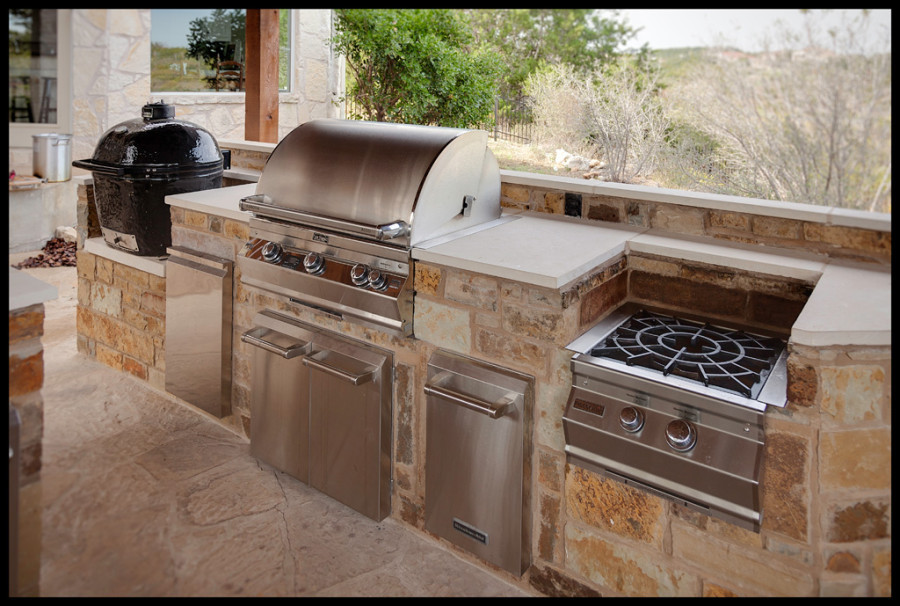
[
  {"x": 222, "y": 202},
  {"x": 818, "y": 324},
  {"x": 25, "y": 290},
  {"x": 150, "y": 265}
]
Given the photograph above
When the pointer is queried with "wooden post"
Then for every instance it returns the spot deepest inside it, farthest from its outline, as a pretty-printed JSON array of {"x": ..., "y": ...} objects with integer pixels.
[{"x": 261, "y": 69}]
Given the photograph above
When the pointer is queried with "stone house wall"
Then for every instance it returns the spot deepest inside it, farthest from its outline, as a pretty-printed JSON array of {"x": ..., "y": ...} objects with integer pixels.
[{"x": 110, "y": 62}]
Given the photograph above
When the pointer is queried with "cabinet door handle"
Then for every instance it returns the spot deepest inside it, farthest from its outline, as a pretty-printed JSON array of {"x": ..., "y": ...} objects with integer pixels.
[
  {"x": 350, "y": 377},
  {"x": 285, "y": 352},
  {"x": 494, "y": 410}
]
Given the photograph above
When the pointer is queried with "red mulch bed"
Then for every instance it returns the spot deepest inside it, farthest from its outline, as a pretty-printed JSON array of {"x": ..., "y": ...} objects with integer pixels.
[{"x": 56, "y": 253}]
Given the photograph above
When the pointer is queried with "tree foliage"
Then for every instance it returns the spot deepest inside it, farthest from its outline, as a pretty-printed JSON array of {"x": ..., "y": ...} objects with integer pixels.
[
  {"x": 613, "y": 113},
  {"x": 526, "y": 39},
  {"x": 809, "y": 125},
  {"x": 415, "y": 66},
  {"x": 218, "y": 37}
]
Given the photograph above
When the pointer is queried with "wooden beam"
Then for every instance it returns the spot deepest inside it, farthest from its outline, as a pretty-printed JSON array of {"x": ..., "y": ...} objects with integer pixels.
[{"x": 261, "y": 69}]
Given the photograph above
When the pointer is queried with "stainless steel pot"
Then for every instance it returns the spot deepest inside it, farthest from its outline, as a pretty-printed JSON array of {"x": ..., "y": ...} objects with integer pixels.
[{"x": 52, "y": 157}]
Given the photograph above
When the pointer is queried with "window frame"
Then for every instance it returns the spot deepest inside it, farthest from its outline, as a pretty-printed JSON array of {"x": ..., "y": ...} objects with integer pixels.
[
  {"x": 20, "y": 133},
  {"x": 213, "y": 94}
]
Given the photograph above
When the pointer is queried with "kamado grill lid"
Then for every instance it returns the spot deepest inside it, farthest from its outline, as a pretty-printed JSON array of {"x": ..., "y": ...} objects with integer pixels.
[
  {"x": 156, "y": 145},
  {"x": 377, "y": 174}
]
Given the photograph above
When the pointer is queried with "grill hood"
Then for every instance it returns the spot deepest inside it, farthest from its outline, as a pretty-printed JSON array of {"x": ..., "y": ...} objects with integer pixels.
[{"x": 401, "y": 184}]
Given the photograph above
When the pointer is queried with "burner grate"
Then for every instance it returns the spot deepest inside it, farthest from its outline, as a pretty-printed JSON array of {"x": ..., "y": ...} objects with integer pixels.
[{"x": 717, "y": 357}]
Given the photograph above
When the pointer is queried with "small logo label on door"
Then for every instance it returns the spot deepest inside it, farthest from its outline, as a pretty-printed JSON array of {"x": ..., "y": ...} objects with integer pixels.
[
  {"x": 470, "y": 531},
  {"x": 320, "y": 238}
]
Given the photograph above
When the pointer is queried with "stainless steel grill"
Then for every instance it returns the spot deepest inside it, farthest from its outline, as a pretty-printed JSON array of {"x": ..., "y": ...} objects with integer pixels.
[
  {"x": 675, "y": 407},
  {"x": 341, "y": 203}
]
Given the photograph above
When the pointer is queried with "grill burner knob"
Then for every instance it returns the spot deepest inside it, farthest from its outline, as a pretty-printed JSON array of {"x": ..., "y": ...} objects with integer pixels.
[
  {"x": 377, "y": 280},
  {"x": 272, "y": 252},
  {"x": 681, "y": 435},
  {"x": 314, "y": 263},
  {"x": 631, "y": 419},
  {"x": 359, "y": 274}
]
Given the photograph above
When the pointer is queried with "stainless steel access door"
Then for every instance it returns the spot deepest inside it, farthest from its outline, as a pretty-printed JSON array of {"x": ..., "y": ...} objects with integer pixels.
[
  {"x": 321, "y": 410},
  {"x": 350, "y": 387},
  {"x": 198, "y": 329},
  {"x": 478, "y": 458},
  {"x": 279, "y": 401}
]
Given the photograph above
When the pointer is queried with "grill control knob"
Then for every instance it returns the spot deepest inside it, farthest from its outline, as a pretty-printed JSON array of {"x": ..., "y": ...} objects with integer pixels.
[
  {"x": 314, "y": 263},
  {"x": 377, "y": 280},
  {"x": 272, "y": 252},
  {"x": 631, "y": 419},
  {"x": 359, "y": 274},
  {"x": 681, "y": 435}
]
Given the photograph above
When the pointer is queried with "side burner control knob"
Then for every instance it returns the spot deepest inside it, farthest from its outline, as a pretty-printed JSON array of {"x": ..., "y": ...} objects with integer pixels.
[
  {"x": 377, "y": 280},
  {"x": 359, "y": 274},
  {"x": 272, "y": 252},
  {"x": 631, "y": 419},
  {"x": 681, "y": 435},
  {"x": 314, "y": 263}
]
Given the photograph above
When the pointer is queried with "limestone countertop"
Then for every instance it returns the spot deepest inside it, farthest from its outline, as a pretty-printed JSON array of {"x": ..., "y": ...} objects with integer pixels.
[
  {"x": 26, "y": 290},
  {"x": 222, "y": 202},
  {"x": 850, "y": 304}
]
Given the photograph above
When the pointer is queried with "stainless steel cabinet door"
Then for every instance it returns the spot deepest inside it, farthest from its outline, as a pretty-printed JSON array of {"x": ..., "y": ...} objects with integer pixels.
[
  {"x": 476, "y": 463},
  {"x": 350, "y": 431},
  {"x": 198, "y": 330},
  {"x": 279, "y": 402}
]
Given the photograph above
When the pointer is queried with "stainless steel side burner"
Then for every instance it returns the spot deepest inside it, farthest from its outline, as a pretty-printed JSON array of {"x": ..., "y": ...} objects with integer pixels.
[{"x": 675, "y": 407}]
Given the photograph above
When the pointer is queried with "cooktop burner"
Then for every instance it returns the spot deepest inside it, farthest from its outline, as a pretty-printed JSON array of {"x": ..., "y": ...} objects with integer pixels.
[{"x": 730, "y": 360}]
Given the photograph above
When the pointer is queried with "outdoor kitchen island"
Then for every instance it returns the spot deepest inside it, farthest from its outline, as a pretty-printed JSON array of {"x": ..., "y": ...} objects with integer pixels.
[{"x": 515, "y": 294}]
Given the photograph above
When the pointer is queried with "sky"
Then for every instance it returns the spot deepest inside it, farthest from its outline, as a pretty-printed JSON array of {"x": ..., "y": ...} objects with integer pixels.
[
  {"x": 744, "y": 29},
  {"x": 170, "y": 26}
]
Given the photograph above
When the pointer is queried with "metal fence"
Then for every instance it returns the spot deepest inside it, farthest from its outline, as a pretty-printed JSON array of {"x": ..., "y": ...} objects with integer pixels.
[{"x": 511, "y": 119}]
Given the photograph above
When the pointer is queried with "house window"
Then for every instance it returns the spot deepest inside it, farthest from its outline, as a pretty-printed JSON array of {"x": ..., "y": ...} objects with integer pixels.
[
  {"x": 33, "y": 51},
  {"x": 40, "y": 73},
  {"x": 203, "y": 50}
]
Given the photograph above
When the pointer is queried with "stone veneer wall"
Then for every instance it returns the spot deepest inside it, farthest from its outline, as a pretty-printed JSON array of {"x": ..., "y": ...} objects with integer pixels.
[
  {"x": 837, "y": 241},
  {"x": 88, "y": 224},
  {"x": 826, "y": 485},
  {"x": 121, "y": 317},
  {"x": 26, "y": 377}
]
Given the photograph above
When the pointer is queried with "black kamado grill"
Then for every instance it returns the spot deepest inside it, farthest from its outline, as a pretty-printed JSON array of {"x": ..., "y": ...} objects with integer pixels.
[{"x": 137, "y": 164}]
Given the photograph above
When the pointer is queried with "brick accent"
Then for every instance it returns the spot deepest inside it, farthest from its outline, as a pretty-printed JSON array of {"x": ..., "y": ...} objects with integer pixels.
[
  {"x": 785, "y": 491},
  {"x": 615, "y": 508}
]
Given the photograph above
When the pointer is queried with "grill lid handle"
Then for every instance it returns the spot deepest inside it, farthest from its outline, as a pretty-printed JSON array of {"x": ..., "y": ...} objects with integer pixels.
[{"x": 262, "y": 204}]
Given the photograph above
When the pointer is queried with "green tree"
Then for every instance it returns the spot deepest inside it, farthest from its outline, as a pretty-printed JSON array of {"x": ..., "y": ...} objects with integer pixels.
[
  {"x": 528, "y": 38},
  {"x": 415, "y": 66},
  {"x": 218, "y": 37}
]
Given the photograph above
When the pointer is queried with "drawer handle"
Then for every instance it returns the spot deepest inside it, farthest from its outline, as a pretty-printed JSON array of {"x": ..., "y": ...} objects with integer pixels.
[
  {"x": 494, "y": 410},
  {"x": 355, "y": 379},
  {"x": 285, "y": 352}
]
